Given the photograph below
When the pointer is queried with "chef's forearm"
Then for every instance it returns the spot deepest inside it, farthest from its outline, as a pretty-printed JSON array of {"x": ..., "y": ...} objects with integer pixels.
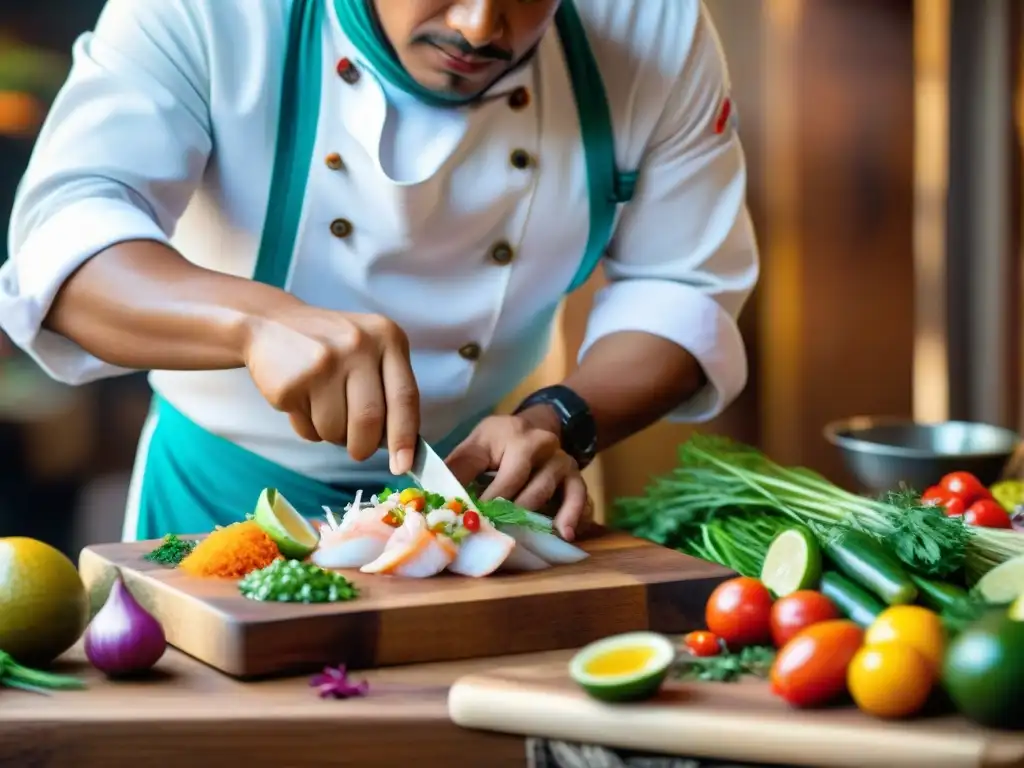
[
  {"x": 630, "y": 380},
  {"x": 141, "y": 305}
]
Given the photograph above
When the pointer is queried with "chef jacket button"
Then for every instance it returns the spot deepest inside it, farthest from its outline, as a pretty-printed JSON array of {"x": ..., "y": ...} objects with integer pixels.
[
  {"x": 347, "y": 71},
  {"x": 502, "y": 253},
  {"x": 341, "y": 228},
  {"x": 519, "y": 98},
  {"x": 470, "y": 351},
  {"x": 333, "y": 161},
  {"x": 521, "y": 159}
]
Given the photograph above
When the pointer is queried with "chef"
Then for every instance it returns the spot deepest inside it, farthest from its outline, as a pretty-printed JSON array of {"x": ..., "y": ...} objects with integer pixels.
[{"x": 327, "y": 226}]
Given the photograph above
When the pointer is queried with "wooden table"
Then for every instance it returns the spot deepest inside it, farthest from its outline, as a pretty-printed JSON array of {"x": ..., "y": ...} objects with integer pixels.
[{"x": 191, "y": 715}]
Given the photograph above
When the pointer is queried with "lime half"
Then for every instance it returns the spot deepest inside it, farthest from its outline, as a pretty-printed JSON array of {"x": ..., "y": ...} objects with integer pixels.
[
  {"x": 1017, "y": 609},
  {"x": 792, "y": 563},
  {"x": 294, "y": 535},
  {"x": 1003, "y": 583}
]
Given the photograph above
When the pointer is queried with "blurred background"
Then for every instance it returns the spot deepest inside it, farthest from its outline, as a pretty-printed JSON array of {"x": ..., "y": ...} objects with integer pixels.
[{"x": 883, "y": 140}]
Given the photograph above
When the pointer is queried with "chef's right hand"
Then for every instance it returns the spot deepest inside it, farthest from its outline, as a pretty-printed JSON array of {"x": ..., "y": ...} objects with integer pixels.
[{"x": 341, "y": 377}]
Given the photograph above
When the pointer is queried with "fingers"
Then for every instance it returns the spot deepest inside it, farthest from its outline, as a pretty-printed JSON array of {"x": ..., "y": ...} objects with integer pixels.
[
  {"x": 545, "y": 482},
  {"x": 364, "y": 391},
  {"x": 518, "y": 462},
  {"x": 469, "y": 460},
  {"x": 303, "y": 426},
  {"x": 402, "y": 398},
  {"x": 574, "y": 503}
]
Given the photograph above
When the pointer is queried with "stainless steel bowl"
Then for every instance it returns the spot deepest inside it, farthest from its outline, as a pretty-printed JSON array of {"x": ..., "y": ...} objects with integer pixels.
[{"x": 882, "y": 453}]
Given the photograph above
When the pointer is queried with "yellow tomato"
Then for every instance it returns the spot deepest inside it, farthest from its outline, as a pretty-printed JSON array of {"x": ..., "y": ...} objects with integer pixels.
[
  {"x": 889, "y": 680},
  {"x": 914, "y": 626}
]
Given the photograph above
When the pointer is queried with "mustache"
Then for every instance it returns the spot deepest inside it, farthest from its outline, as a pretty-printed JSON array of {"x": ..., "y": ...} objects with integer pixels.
[{"x": 462, "y": 45}]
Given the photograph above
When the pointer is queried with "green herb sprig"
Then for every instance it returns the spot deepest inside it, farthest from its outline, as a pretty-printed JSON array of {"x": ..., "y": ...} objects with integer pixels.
[
  {"x": 171, "y": 551},
  {"x": 291, "y": 581},
  {"x": 753, "y": 661},
  {"x": 14, "y": 675}
]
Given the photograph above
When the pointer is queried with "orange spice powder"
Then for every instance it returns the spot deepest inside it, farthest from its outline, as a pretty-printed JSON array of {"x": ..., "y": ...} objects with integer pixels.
[{"x": 232, "y": 552}]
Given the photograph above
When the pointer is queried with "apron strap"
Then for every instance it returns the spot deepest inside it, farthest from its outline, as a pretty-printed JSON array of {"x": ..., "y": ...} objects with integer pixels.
[{"x": 607, "y": 187}]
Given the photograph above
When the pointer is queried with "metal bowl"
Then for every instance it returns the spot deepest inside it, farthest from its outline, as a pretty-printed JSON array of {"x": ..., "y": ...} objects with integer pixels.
[{"x": 883, "y": 453}]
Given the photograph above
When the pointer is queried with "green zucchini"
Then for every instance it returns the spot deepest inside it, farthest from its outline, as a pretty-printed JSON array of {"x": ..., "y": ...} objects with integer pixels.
[
  {"x": 938, "y": 595},
  {"x": 868, "y": 563},
  {"x": 853, "y": 601}
]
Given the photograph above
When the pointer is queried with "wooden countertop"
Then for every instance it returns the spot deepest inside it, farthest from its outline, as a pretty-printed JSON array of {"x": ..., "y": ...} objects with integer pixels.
[{"x": 191, "y": 714}]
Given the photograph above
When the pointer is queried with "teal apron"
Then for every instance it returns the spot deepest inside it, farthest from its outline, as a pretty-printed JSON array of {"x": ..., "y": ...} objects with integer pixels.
[{"x": 194, "y": 480}]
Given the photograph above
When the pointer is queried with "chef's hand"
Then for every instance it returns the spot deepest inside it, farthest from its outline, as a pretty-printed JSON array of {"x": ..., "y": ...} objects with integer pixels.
[
  {"x": 532, "y": 469},
  {"x": 341, "y": 378}
]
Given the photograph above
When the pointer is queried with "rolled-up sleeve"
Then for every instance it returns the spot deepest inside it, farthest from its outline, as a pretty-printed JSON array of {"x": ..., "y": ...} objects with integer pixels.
[
  {"x": 684, "y": 258},
  {"x": 122, "y": 151}
]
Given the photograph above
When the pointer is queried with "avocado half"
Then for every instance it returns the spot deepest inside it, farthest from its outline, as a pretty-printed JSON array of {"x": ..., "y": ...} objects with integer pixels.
[{"x": 621, "y": 668}]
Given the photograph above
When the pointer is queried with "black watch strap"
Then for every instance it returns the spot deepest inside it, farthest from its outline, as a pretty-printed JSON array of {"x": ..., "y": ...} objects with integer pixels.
[{"x": 579, "y": 430}]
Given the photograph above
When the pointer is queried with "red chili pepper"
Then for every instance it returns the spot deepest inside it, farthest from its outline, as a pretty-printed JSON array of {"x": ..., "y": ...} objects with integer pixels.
[
  {"x": 703, "y": 643},
  {"x": 471, "y": 521}
]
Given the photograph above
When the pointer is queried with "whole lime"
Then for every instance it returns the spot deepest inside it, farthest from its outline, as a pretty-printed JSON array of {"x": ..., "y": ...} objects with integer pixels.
[
  {"x": 44, "y": 607},
  {"x": 983, "y": 671}
]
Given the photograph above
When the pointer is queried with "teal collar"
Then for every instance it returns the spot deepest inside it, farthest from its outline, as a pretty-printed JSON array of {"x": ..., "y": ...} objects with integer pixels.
[{"x": 360, "y": 24}]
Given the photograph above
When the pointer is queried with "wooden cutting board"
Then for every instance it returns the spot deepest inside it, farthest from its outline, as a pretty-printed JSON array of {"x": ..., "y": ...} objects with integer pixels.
[
  {"x": 724, "y": 721},
  {"x": 626, "y": 584}
]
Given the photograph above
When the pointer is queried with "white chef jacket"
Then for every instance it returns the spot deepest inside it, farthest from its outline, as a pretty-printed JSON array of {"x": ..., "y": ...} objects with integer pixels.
[{"x": 165, "y": 131}]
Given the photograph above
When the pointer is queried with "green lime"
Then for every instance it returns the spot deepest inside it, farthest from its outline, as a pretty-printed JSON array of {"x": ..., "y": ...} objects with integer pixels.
[
  {"x": 984, "y": 671},
  {"x": 1004, "y": 583},
  {"x": 1017, "y": 609},
  {"x": 792, "y": 563},
  {"x": 295, "y": 536},
  {"x": 628, "y": 667}
]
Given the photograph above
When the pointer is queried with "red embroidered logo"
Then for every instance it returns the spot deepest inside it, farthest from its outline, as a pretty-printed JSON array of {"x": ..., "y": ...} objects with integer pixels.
[{"x": 722, "y": 121}]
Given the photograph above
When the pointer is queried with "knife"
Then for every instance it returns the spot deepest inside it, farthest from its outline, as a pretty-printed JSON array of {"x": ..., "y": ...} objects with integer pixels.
[{"x": 431, "y": 474}]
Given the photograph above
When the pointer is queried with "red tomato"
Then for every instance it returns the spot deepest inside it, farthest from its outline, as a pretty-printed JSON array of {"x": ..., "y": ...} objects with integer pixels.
[
  {"x": 987, "y": 513},
  {"x": 966, "y": 486},
  {"x": 739, "y": 611},
  {"x": 810, "y": 670},
  {"x": 794, "y": 613},
  {"x": 471, "y": 521},
  {"x": 955, "y": 507},
  {"x": 703, "y": 643},
  {"x": 936, "y": 496}
]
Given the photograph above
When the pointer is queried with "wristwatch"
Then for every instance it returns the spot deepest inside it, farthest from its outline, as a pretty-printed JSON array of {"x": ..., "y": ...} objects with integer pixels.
[{"x": 579, "y": 430}]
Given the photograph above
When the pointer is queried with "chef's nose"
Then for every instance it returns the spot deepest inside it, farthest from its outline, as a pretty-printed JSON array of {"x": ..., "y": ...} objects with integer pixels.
[{"x": 479, "y": 21}]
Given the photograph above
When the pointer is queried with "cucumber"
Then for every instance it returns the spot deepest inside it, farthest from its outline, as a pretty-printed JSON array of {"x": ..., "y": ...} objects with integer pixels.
[
  {"x": 868, "y": 563},
  {"x": 853, "y": 601},
  {"x": 938, "y": 595}
]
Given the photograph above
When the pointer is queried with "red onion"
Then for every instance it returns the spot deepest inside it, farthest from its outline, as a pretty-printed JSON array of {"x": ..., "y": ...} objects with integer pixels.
[
  {"x": 1017, "y": 519},
  {"x": 123, "y": 639}
]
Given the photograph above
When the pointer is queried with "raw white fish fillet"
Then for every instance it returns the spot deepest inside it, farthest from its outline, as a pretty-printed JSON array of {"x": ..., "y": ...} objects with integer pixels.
[
  {"x": 413, "y": 551},
  {"x": 483, "y": 551},
  {"x": 522, "y": 559},
  {"x": 548, "y": 546},
  {"x": 359, "y": 539}
]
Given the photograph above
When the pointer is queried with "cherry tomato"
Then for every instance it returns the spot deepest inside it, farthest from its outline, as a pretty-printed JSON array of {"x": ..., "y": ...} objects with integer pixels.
[
  {"x": 955, "y": 507},
  {"x": 966, "y": 486},
  {"x": 794, "y": 613},
  {"x": 703, "y": 643},
  {"x": 739, "y": 611},
  {"x": 936, "y": 496},
  {"x": 810, "y": 670},
  {"x": 987, "y": 513},
  {"x": 471, "y": 521}
]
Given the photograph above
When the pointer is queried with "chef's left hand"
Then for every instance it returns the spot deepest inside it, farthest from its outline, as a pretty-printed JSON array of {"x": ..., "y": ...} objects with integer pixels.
[{"x": 531, "y": 469}]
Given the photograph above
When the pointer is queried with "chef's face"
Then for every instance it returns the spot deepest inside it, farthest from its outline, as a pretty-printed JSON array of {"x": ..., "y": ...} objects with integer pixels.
[{"x": 462, "y": 46}]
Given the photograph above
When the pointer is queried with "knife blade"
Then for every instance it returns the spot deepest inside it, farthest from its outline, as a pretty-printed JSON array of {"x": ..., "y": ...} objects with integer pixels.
[{"x": 431, "y": 474}]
